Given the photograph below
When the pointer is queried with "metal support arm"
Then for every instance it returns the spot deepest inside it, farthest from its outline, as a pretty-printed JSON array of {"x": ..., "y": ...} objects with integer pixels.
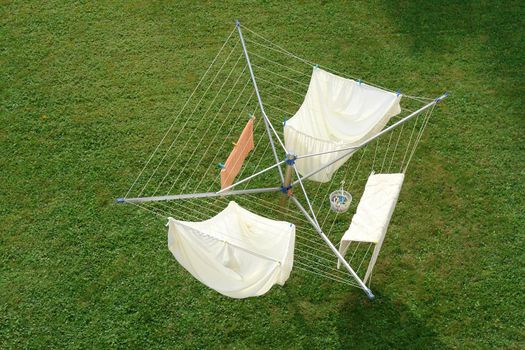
[
  {"x": 267, "y": 122},
  {"x": 195, "y": 195},
  {"x": 334, "y": 250}
]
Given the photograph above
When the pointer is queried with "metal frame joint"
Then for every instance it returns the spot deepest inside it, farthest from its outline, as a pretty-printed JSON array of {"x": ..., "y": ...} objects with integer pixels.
[
  {"x": 286, "y": 189},
  {"x": 290, "y": 159},
  {"x": 440, "y": 98}
]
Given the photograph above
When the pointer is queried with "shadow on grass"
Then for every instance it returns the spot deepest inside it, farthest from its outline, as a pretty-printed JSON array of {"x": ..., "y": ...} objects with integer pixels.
[
  {"x": 493, "y": 31},
  {"x": 383, "y": 324},
  {"x": 324, "y": 315}
]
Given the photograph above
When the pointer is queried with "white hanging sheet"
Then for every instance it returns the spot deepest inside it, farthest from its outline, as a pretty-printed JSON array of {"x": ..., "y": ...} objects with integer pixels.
[
  {"x": 372, "y": 217},
  {"x": 237, "y": 253},
  {"x": 336, "y": 113}
]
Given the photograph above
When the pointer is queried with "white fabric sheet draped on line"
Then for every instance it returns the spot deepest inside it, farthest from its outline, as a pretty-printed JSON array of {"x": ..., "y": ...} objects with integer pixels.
[
  {"x": 336, "y": 113},
  {"x": 374, "y": 211},
  {"x": 237, "y": 253}
]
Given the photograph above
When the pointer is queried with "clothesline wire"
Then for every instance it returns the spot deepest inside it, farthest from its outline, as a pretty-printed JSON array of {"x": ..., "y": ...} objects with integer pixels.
[
  {"x": 280, "y": 75},
  {"x": 203, "y": 118},
  {"x": 284, "y": 51},
  {"x": 278, "y": 109},
  {"x": 280, "y": 86},
  {"x": 268, "y": 205},
  {"x": 280, "y": 50},
  {"x": 321, "y": 266},
  {"x": 315, "y": 256},
  {"x": 203, "y": 156},
  {"x": 216, "y": 133},
  {"x": 330, "y": 187},
  {"x": 298, "y": 263},
  {"x": 423, "y": 127},
  {"x": 355, "y": 251},
  {"x": 171, "y": 204},
  {"x": 304, "y": 267},
  {"x": 331, "y": 261},
  {"x": 170, "y": 212},
  {"x": 416, "y": 120},
  {"x": 282, "y": 99},
  {"x": 386, "y": 152},
  {"x": 180, "y": 112},
  {"x": 395, "y": 147},
  {"x": 279, "y": 64},
  {"x": 187, "y": 120},
  {"x": 364, "y": 256},
  {"x": 375, "y": 155}
]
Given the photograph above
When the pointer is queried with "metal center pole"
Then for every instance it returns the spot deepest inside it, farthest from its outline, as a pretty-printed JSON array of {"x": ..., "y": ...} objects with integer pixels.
[{"x": 288, "y": 171}]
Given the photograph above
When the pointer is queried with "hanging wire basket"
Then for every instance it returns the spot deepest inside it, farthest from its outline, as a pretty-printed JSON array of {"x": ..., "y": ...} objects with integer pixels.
[{"x": 340, "y": 201}]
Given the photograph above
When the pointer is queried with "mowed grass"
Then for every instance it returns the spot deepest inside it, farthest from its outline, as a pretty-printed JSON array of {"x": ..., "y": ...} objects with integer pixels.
[{"x": 86, "y": 92}]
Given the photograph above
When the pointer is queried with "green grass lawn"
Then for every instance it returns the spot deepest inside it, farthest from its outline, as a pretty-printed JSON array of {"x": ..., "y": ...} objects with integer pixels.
[{"x": 87, "y": 91}]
